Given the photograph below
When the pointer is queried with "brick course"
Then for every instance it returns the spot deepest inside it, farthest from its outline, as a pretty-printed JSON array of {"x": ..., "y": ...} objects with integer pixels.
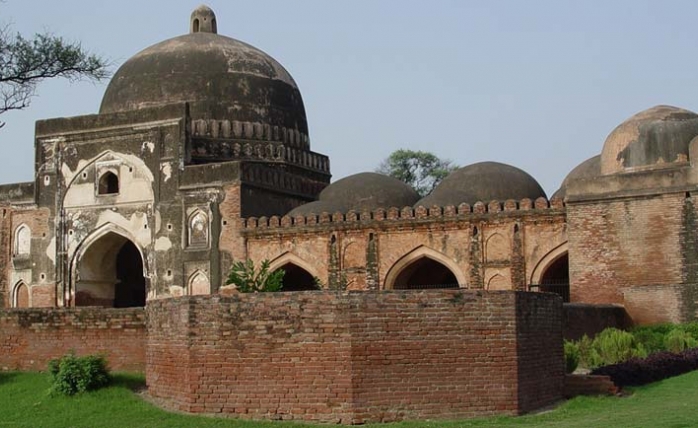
[{"x": 29, "y": 338}]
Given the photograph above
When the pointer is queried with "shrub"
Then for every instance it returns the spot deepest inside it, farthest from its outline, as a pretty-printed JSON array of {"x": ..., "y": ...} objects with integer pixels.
[
  {"x": 679, "y": 340},
  {"x": 571, "y": 356},
  {"x": 71, "y": 375},
  {"x": 248, "y": 279},
  {"x": 658, "y": 366},
  {"x": 614, "y": 346},
  {"x": 588, "y": 356},
  {"x": 651, "y": 340}
]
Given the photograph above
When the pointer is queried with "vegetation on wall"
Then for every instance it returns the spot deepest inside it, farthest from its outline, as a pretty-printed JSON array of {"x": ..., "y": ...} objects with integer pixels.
[{"x": 250, "y": 279}]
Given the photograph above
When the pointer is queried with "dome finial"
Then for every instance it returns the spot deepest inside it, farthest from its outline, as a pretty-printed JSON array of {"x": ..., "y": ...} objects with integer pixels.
[{"x": 203, "y": 20}]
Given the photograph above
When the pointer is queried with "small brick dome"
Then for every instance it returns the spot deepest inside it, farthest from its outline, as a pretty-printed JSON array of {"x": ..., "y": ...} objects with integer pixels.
[
  {"x": 484, "y": 181},
  {"x": 655, "y": 138},
  {"x": 590, "y": 168},
  {"x": 359, "y": 192}
]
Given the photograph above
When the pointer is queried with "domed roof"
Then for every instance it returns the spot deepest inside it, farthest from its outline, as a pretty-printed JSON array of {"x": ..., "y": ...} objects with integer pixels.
[
  {"x": 360, "y": 192},
  {"x": 657, "y": 137},
  {"x": 221, "y": 78},
  {"x": 484, "y": 181},
  {"x": 590, "y": 168}
]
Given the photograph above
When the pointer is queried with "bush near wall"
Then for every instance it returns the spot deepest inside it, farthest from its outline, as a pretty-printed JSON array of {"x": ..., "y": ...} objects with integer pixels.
[
  {"x": 658, "y": 366},
  {"x": 613, "y": 346}
]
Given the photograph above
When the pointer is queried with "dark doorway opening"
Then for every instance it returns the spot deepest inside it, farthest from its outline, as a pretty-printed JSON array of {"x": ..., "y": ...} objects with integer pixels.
[
  {"x": 297, "y": 279},
  {"x": 556, "y": 278},
  {"x": 130, "y": 286},
  {"x": 425, "y": 273}
]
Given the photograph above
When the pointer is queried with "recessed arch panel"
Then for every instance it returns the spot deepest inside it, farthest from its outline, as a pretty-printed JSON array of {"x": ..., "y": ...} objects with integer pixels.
[{"x": 20, "y": 295}]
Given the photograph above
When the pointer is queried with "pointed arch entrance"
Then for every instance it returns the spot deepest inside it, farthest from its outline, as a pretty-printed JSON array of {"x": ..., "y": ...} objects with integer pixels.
[
  {"x": 552, "y": 273},
  {"x": 297, "y": 279},
  {"x": 424, "y": 268},
  {"x": 108, "y": 271},
  {"x": 299, "y": 275}
]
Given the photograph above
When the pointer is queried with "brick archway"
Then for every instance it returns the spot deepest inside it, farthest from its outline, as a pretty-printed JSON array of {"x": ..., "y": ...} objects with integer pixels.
[{"x": 420, "y": 255}]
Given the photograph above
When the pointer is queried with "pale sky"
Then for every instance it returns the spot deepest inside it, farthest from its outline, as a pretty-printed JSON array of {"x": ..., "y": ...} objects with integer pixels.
[{"x": 535, "y": 84}]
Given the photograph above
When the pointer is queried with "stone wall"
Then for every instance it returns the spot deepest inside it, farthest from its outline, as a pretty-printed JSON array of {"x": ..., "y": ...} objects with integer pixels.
[
  {"x": 29, "y": 338},
  {"x": 356, "y": 357}
]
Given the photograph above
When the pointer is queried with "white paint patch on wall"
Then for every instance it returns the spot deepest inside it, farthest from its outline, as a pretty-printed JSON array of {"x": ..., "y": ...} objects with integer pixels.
[
  {"x": 149, "y": 145},
  {"x": 51, "y": 250},
  {"x": 163, "y": 243},
  {"x": 166, "y": 170}
]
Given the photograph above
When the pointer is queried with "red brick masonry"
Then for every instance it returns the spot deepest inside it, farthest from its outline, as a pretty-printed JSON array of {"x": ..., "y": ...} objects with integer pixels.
[
  {"x": 29, "y": 338},
  {"x": 588, "y": 385},
  {"x": 357, "y": 357}
]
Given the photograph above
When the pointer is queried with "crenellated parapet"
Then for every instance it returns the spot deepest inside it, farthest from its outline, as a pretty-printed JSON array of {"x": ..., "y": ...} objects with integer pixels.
[{"x": 407, "y": 214}]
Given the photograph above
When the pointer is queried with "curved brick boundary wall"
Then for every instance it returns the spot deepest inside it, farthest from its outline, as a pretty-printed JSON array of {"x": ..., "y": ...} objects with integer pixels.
[
  {"x": 29, "y": 338},
  {"x": 356, "y": 357}
]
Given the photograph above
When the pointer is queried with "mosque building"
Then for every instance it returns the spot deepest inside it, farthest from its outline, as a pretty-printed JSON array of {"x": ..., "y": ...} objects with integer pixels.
[{"x": 200, "y": 156}]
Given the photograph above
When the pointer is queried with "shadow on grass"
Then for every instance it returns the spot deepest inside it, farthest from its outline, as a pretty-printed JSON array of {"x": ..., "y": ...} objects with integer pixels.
[
  {"x": 6, "y": 377},
  {"x": 134, "y": 382}
]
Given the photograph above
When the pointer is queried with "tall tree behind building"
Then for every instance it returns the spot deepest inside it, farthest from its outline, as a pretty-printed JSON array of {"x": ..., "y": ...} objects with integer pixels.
[{"x": 421, "y": 170}]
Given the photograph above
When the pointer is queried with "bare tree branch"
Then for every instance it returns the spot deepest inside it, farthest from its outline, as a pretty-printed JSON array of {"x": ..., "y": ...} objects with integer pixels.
[{"x": 24, "y": 63}]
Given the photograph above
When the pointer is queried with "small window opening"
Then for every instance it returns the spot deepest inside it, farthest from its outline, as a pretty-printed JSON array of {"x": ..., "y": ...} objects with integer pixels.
[
  {"x": 108, "y": 184},
  {"x": 169, "y": 226},
  {"x": 516, "y": 228},
  {"x": 688, "y": 195},
  {"x": 474, "y": 231},
  {"x": 196, "y": 25},
  {"x": 169, "y": 272}
]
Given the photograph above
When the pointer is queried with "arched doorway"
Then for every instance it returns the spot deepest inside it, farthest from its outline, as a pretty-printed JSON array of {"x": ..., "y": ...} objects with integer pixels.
[
  {"x": 556, "y": 277},
  {"x": 109, "y": 273},
  {"x": 297, "y": 279},
  {"x": 425, "y": 273}
]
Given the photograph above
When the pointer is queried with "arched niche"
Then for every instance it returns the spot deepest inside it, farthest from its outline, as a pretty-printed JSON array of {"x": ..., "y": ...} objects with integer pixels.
[
  {"x": 198, "y": 284},
  {"x": 20, "y": 295},
  {"x": 497, "y": 247},
  {"x": 108, "y": 271},
  {"x": 498, "y": 282},
  {"x": 22, "y": 244},
  {"x": 197, "y": 229}
]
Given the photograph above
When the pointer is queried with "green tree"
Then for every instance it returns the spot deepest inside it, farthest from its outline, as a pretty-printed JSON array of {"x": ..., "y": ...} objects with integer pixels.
[
  {"x": 421, "y": 170},
  {"x": 248, "y": 279},
  {"x": 24, "y": 63}
]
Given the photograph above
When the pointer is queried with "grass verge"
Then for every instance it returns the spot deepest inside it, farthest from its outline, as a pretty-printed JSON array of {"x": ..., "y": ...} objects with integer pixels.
[{"x": 25, "y": 402}]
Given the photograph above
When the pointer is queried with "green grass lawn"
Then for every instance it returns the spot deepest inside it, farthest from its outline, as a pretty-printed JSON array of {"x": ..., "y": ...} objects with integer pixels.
[{"x": 25, "y": 402}]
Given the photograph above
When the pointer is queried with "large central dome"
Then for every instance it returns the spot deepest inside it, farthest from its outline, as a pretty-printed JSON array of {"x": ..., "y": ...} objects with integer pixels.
[{"x": 221, "y": 78}]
